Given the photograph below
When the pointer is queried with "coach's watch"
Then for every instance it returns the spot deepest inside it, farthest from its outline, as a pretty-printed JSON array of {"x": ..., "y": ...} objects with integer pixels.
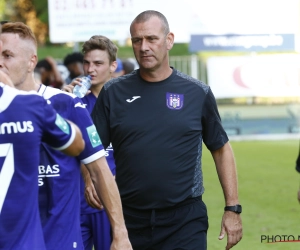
[{"x": 237, "y": 208}]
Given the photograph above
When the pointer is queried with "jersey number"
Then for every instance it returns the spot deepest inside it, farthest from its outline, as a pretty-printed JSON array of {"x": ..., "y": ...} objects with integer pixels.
[{"x": 7, "y": 171}]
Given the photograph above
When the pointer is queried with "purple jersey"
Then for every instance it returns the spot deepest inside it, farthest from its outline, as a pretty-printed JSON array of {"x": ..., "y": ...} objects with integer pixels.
[
  {"x": 25, "y": 120},
  {"x": 59, "y": 175},
  {"x": 89, "y": 102}
]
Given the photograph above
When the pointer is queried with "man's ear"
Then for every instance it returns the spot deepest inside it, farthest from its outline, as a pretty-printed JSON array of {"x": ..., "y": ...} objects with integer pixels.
[
  {"x": 113, "y": 67},
  {"x": 170, "y": 40},
  {"x": 32, "y": 63}
]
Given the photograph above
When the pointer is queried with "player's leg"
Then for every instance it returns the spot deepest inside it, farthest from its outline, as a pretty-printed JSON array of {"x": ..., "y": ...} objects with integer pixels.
[
  {"x": 86, "y": 231},
  {"x": 101, "y": 231}
]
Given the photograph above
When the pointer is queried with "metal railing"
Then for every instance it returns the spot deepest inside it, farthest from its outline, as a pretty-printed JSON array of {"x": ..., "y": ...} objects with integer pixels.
[{"x": 190, "y": 65}]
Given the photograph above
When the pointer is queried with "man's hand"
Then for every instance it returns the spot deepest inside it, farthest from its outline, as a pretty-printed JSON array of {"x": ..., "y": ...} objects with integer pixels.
[
  {"x": 232, "y": 226},
  {"x": 70, "y": 87},
  {"x": 91, "y": 196},
  {"x": 90, "y": 193},
  {"x": 121, "y": 241},
  {"x": 4, "y": 78}
]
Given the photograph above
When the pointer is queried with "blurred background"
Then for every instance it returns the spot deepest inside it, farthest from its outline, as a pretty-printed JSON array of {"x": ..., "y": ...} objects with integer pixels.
[{"x": 247, "y": 51}]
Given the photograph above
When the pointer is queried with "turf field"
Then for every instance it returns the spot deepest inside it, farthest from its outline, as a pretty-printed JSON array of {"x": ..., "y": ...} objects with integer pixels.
[{"x": 268, "y": 185}]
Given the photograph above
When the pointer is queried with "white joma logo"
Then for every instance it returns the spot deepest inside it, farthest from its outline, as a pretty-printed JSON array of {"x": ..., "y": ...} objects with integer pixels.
[
  {"x": 133, "y": 98},
  {"x": 78, "y": 104}
]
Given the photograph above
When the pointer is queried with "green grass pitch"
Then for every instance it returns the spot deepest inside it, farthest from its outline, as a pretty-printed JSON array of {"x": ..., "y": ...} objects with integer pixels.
[{"x": 268, "y": 184}]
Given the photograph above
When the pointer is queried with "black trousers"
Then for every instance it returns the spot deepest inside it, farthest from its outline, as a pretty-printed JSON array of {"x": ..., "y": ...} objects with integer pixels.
[{"x": 183, "y": 227}]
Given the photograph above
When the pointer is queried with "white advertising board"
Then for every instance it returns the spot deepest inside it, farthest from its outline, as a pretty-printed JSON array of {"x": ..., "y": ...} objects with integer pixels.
[
  {"x": 254, "y": 76},
  {"x": 78, "y": 20}
]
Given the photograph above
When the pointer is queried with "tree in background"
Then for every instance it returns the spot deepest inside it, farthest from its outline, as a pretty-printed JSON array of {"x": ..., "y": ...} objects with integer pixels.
[
  {"x": 4, "y": 10},
  {"x": 32, "y": 12}
]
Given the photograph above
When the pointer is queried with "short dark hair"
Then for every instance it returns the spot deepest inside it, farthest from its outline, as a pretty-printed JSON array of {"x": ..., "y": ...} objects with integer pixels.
[
  {"x": 101, "y": 43},
  {"x": 43, "y": 63},
  {"x": 72, "y": 58},
  {"x": 128, "y": 66},
  {"x": 146, "y": 15}
]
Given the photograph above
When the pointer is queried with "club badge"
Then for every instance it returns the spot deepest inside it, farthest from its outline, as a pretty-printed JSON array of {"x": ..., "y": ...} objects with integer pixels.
[{"x": 174, "y": 101}]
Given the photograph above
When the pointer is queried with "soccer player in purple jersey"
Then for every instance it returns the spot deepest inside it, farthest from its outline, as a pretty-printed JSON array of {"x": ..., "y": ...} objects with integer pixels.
[
  {"x": 59, "y": 175},
  {"x": 99, "y": 62},
  {"x": 25, "y": 121}
]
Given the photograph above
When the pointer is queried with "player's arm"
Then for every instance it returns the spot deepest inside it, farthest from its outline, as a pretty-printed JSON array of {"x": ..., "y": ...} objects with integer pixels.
[
  {"x": 108, "y": 193},
  {"x": 59, "y": 133},
  {"x": 90, "y": 192},
  {"x": 298, "y": 170},
  {"x": 226, "y": 169},
  {"x": 76, "y": 147}
]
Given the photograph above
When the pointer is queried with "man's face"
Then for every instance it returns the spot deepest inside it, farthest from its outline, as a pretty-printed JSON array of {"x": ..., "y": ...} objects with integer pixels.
[
  {"x": 15, "y": 57},
  {"x": 96, "y": 64},
  {"x": 150, "y": 44}
]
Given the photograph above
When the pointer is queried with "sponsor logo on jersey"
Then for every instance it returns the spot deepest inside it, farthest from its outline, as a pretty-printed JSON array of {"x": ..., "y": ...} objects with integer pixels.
[
  {"x": 16, "y": 127},
  {"x": 62, "y": 124},
  {"x": 133, "y": 99},
  {"x": 47, "y": 172},
  {"x": 174, "y": 101},
  {"x": 93, "y": 135}
]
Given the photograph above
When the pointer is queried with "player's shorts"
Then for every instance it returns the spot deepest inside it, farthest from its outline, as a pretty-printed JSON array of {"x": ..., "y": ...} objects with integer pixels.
[
  {"x": 183, "y": 226},
  {"x": 96, "y": 231}
]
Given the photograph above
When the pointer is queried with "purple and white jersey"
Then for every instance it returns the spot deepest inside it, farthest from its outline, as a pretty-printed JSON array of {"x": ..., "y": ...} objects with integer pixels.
[
  {"x": 59, "y": 175},
  {"x": 25, "y": 120},
  {"x": 89, "y": 102}
]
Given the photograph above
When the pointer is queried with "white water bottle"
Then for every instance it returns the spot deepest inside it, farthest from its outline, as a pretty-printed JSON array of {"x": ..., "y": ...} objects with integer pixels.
[{"x": 86, "y": 83}]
